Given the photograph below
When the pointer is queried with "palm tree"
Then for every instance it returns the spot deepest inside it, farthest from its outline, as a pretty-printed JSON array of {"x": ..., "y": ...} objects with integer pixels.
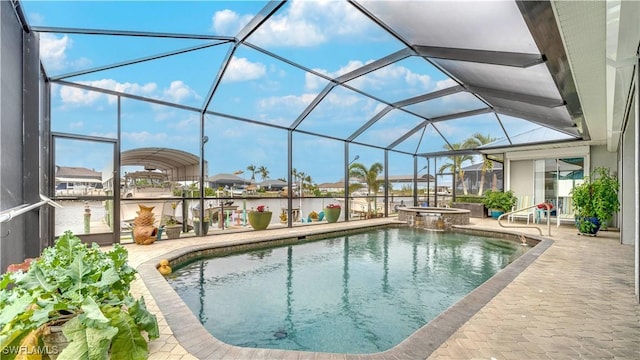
[
  {"x": 475, "y": 141},
  {"x": 308, "y": 182},
  {"x": 301, "y": 176},
  {"x": 252, "y": 168},
  {"x": 295, "y": 174},
  {"x": 370, "y": 177},
  {"x": 264, "y": 173},
  {"x": 455, "y": 166}
]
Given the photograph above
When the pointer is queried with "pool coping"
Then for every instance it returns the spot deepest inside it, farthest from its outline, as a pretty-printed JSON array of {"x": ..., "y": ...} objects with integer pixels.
[{"x": 195, "y": 339}]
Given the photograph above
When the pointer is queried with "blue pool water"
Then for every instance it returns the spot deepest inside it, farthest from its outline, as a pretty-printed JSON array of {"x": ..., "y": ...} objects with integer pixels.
[{"x": 360, "y": 293}]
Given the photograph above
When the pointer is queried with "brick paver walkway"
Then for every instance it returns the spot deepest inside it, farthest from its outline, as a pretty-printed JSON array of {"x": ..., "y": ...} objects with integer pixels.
[{"x": 575, "y": 301}]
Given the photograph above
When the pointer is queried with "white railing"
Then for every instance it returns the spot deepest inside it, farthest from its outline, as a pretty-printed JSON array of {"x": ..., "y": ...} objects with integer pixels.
[
  {"x": 7, "y": 215},
  {"x": 548, "y": 208}
]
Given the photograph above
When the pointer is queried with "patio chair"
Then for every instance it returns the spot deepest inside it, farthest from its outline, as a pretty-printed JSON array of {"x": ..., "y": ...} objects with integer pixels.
[
  {"x": 566, "y": 213},
  {"x": 523, "y": 202}
]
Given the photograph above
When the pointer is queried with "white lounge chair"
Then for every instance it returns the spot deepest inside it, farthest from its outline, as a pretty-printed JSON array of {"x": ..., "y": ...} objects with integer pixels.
[
  {"x": 523, "y": 202},
  {"x": 566, "y": 213}
]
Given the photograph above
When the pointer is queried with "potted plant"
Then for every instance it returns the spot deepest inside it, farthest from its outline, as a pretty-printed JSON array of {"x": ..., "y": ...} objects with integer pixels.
[
  {"x": 332, "y": 212},
  {"x": 260, "y": 218},
  {"x": 595, "y": 200},
  {"x": 83, "y": 292},
  {"x": 499, "y": 202},
  {"x": 172, "y": 227}
]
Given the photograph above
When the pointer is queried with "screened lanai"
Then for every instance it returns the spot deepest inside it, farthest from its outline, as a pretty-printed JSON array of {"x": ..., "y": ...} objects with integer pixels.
[{"x": 300, "y": 91}]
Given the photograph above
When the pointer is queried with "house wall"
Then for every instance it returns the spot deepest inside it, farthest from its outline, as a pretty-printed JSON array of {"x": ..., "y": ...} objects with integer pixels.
[
  {"x": 521, "y": 181},
  {"x": 600, "y": 157},
  {"x": 630, "y": 196}
]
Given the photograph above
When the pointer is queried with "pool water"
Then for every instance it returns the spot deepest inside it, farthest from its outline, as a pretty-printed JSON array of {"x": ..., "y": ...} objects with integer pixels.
[{"x": 360, "y": 293}]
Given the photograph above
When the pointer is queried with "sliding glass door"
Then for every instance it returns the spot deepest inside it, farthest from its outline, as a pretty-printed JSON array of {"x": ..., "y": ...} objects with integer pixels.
[{"x": 553, "y": 181}]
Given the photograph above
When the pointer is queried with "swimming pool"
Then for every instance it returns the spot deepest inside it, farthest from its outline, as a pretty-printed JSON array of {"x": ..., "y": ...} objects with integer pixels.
[{"x": 358, "y": 293}]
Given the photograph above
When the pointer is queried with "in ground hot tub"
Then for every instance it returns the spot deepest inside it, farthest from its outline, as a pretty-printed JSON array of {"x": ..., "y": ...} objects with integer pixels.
[{"x": 434, "y": 218}]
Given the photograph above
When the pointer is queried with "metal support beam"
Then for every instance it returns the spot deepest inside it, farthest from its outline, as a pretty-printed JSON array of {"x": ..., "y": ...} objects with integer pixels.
[
  {"x": 386, "y": 183},
  {"x": 267, "y": 11},
  {"x": 503, "y": 58},
  {"x": 429, "y": 96},
  {"x": 540, "y": 19},
  {"x": 290, "y": 179},
  {"x": 375, "y": 65},
  {"x": 520, "y": 97}
]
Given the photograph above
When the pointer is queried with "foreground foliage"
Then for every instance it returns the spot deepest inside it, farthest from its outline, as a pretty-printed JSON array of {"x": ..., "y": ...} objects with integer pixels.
[{"x": 85, "y": 290}]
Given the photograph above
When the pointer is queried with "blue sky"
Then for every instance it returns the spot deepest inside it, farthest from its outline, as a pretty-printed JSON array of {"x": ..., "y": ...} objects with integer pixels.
[{"x": 330, "y": 38}]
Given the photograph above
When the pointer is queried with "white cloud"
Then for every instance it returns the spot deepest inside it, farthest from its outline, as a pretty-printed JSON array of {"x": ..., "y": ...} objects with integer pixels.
[
  {"x": 302, "y": 24},
  {"x": 75, "y": 96},
  {"x": 391, "y": 76},
  {"x": 312, "y": 82},
  {"x": 144, "y": 137},
  {"x": 241, "y": 69},
  {"x": 53, "y": 51},
  {"x": 446, "y": 83},
  {"x": 179, "y": 91},
  {"x": 342, "y": 100},
  {"x": 293, "y": 102},
  {"x": 228, "y": 22}
]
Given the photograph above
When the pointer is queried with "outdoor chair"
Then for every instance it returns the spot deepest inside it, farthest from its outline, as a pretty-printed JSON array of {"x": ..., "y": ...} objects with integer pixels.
[
  {"x": 523, "y": 202},
  {"x": 566, "y": 213}
]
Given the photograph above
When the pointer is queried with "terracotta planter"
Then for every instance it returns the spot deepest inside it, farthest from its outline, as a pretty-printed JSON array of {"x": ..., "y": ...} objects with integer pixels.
[
  {"x": 332, "y": 214},
  {"x": 259, "y": 220},
  {"x": 144, "y": 233}
]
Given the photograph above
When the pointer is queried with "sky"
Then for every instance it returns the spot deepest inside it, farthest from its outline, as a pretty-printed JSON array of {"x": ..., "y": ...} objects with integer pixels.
[{"x": 326, "y": 37}]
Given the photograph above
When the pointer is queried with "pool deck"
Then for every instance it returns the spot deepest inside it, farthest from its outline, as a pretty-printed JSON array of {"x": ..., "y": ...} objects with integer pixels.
[{"x": 576, "y": 300}]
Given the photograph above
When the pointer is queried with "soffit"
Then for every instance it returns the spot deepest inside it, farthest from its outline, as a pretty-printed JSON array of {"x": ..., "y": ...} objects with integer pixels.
[{"x": 582, "y": 25}]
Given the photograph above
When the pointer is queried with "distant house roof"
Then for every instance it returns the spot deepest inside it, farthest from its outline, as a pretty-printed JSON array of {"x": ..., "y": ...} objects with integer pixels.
[
  {"x": 273, "y": 184},
  {"x": 226, "y": 180},
  {"x": 478, "y": 167},
  {"x": 77, "y": 173},
  {"x": 339, "y": 184}
]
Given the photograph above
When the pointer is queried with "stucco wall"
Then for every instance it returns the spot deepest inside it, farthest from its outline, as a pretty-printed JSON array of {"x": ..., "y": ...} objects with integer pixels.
[
  {"x": 522, "y": 177},
  {"x": 600, "y": 157}
]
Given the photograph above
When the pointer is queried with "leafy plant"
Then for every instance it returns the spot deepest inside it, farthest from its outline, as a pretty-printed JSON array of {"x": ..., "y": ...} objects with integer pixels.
[
  {"x": 596, "y": 197},
  {"x": 170, "y": 221},
  {"x": 84, "y": 289},
  {"x": 499, "y": 200}
]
